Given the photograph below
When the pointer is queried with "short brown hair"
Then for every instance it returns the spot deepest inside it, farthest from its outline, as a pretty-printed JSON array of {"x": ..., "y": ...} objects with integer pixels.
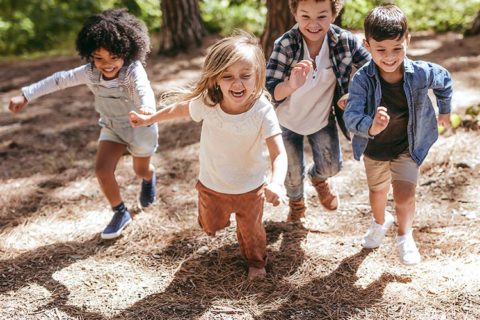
[
  {"x": 337, "y": 5},
  {"x": 385, "y": 22}
]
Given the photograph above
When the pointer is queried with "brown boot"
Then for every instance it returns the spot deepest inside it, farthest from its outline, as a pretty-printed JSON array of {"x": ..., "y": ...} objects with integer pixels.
[
  {"x": 297, "y": 210},
  {"x": 325, "y": 195}
]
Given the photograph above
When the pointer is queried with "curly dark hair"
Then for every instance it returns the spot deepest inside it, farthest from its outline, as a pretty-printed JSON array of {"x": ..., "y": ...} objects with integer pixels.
[{"x": 116, "y": 31}]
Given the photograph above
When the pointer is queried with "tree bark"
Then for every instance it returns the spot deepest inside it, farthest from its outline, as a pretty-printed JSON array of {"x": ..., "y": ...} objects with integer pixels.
[
  {"x": 279, "y": 20},
  {"x": 182, "y": 26},
  {"x": 475, "y": 29}
]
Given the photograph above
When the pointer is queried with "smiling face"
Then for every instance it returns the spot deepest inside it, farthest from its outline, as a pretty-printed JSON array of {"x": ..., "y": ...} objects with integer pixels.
[
  {"x": 388, "y": 55},
  {"x": 314, "y": 19},
  {"x": 238, "y": 84},
  {"x": 107, "y": 64}
]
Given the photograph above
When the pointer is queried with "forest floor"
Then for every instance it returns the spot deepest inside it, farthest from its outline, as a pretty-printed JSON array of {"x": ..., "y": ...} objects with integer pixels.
[{"x": 53, "y": 264}]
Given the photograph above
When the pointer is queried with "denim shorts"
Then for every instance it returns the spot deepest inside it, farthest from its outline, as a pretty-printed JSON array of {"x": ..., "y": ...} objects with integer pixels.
[{"x": 140, "y": 142}]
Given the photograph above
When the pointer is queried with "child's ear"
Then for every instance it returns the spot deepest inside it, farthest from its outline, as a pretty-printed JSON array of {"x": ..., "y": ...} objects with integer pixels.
[
  {"x": 409, "y": 36},
  {"x": 366, "y": 45}
]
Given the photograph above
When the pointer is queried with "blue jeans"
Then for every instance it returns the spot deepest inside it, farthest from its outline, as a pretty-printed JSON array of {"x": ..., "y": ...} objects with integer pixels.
[{"x": 327, "y": 157}]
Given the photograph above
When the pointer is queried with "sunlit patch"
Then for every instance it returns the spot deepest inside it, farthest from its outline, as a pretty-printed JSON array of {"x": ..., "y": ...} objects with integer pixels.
[
  {"x": 24, "y": 301},
  {"x": 50, "y": 229},
  {"x": 424, "y": 47},
  {"x": 233, "y": 309},
  {"x": 110, "y": 286},
  {"x": 81, "y": 188}
]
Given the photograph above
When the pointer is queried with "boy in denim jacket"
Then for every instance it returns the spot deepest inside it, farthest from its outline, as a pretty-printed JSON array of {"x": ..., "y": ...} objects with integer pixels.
[
  {"x": 307, "y": 73},
  {"x": 394, "y": 123}
]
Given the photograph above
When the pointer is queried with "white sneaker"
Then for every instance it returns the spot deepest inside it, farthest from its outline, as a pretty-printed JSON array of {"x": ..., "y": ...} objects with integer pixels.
[
  {"x": 407, "y": 249},
  {"x": 375, "y": 234}
]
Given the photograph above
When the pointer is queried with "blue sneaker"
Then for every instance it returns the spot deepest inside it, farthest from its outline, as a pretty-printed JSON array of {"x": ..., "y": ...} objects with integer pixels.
[
  {"x": 119, "y": 221},
  {"x": 148, "y": 192}
]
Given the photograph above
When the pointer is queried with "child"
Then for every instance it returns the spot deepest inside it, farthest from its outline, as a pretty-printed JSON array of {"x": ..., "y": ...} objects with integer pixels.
[
  {"x": 394, "y": 123},
  {"x": 115, "y": 45},
  {"x": 308, "y": 71},
  {"x": 237, "y": 119}
]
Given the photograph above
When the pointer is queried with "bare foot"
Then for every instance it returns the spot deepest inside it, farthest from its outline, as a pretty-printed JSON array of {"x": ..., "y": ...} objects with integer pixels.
[{"x": 256, "y": 273}]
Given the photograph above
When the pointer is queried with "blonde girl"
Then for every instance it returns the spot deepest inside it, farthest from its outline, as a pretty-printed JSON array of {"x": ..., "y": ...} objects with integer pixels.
[{"x": 238, "y": 121}]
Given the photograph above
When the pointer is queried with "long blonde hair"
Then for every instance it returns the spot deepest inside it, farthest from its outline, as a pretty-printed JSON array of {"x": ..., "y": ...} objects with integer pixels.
[{"x": 222, "y": 55}]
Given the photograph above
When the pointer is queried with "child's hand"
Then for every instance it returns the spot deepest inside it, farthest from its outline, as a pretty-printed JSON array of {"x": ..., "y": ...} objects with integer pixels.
[
  {"x": 380, "y": 121},
  {"x": 274, "y": 193},
  {"x": 17, "y": 103},
  {"x": 342, "y": 102},
  {"x": 138, "y": 120},
  {"x": 299, "y": 73},
  {"x": 444, "y": 120}
]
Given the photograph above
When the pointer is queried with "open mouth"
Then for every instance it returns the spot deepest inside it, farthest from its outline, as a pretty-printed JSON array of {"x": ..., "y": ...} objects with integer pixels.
[
  {"x": 109, "y": 70},
  {"x": 237, "y": 94},
  {"x": 316, "y": 30},
  {"x": 389, "y": 64}
]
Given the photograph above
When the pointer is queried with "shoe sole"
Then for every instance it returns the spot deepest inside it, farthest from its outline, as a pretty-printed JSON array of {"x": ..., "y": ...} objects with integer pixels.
[{"x": 109, "y": 236}]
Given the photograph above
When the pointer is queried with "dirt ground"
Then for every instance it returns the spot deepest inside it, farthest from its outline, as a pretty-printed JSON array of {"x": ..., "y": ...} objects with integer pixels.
[{"x": 53, "y": 264}]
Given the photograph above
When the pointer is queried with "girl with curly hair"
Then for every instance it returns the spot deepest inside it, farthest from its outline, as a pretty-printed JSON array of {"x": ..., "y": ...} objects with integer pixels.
[{"x": 114, "y": 44}]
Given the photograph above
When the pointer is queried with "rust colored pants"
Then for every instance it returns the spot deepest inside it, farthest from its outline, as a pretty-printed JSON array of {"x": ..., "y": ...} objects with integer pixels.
[{"x": 214, "y": 209}]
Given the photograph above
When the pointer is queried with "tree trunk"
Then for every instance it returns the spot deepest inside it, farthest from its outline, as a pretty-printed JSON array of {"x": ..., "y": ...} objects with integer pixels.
[
  {"x": 181, "y": 26},
  {"x": 279, "y": 20},
  {"x": 475, "y": 29}
]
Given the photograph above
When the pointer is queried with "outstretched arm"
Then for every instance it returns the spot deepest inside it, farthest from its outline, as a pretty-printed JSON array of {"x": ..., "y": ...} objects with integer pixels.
[
  {"x": 274, "y": 191},
  {"x": 174, "y": 111}
]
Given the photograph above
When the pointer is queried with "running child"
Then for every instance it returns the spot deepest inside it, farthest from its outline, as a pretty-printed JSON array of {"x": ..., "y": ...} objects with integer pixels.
[
  {"x": 115, "y": 45},
  {"x": 307, "y": 74},
  {"x": 394, "y": 123},
  {"x": 238, "y": 120}
]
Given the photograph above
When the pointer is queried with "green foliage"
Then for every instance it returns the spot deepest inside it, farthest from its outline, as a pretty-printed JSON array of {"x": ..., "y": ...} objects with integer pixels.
[
  {"x": 436, "y": 15},
  {"x": 224, "y": 16},
  {"x": 46, "y": 25},
  {"x": 28, "y": 26}
]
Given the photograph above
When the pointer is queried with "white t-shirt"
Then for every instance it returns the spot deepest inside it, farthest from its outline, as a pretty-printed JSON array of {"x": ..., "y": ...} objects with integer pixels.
[
  {"x": 307, "y": 109},
  {"x": 232, "y": 157}
]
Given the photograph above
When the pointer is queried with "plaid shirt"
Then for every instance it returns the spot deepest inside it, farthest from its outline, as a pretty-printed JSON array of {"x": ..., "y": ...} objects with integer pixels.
[{"x": 346, "y": 51}]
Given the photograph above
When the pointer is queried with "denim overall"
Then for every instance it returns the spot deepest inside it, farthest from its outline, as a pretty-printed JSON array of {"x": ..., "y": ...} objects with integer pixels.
[{"x": 113, "y": 105}]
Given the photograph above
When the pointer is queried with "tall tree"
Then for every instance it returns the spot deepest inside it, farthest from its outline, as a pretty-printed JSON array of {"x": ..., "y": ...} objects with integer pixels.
[
  {"x": 181, "y": 27},
  {"x": 475, "y": 28},
  {"x": 279, "y": 20}
]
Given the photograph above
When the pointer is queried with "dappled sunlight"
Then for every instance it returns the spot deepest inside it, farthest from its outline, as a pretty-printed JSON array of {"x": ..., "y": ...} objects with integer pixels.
[
  {"x": 109, "y": 286},
  {"x": 32, "y": 234},
  {"x": 27, "y": 301},
  {"x": 78, "y": 189}
]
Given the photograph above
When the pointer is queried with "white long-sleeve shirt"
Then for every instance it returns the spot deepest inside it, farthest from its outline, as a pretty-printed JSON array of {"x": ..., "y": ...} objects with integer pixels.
[{"x": 133, "y": 78}]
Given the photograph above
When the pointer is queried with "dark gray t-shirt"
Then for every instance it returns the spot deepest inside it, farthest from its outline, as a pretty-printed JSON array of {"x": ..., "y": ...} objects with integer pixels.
[{"x": 392, "y": 141}]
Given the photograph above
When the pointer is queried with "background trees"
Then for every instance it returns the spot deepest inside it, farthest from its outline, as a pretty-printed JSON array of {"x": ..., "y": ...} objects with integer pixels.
[
  {"x": 279, "y": 19},
  {"x": 181, "y": 26},
  {"x": 38, "y": 26}
]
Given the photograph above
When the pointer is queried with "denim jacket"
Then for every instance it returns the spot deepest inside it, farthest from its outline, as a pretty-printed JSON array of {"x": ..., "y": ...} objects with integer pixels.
[{"x": 419, "y": 76}]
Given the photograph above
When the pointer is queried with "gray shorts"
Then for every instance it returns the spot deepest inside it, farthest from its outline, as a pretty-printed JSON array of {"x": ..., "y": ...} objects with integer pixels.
[
  {"x": 140, "y": 142},
  {"x": 382, "y": 173}
]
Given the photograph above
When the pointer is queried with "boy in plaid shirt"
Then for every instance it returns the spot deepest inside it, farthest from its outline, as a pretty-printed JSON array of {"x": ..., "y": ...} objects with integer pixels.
[{"x": 308, "y": 74}]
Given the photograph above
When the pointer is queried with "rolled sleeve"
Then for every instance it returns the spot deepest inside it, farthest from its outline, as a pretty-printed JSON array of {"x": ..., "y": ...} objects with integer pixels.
[{"x": 356, "y": 121}]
